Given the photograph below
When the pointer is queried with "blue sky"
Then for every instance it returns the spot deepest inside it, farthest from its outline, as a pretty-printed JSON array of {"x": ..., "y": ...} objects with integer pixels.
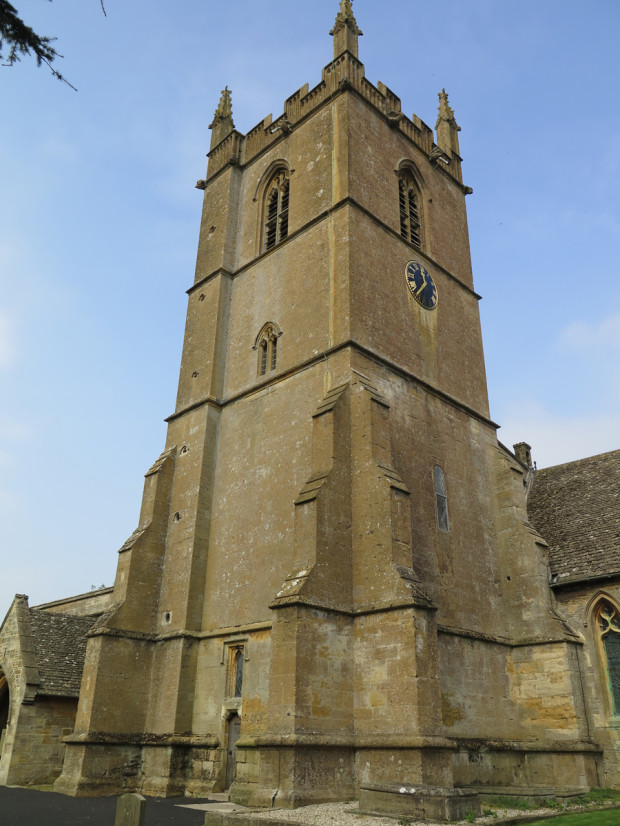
[{"x": 99, "y": 224}]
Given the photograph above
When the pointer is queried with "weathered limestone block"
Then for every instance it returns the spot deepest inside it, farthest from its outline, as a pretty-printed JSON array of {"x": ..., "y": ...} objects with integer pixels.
[
  {"x": 130, "y": 810},
  {"x": 423, "y": 802}
]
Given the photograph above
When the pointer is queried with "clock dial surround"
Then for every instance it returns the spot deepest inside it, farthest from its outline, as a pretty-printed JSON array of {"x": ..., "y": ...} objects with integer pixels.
[{"x": 421, "y": 285}]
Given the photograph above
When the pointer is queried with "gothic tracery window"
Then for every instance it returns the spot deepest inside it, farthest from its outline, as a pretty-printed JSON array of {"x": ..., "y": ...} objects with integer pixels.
[
  {"x": 267, "y": 346},
  {"x": 441, "y": 499},
  {"x": 409, "y": 207},
  {"x": 608, "y": 624},
  {"x": 276, "y": 209}
]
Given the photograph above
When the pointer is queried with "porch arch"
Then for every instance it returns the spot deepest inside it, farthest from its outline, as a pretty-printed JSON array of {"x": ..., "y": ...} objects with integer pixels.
[{"x": 5, "y": 700}]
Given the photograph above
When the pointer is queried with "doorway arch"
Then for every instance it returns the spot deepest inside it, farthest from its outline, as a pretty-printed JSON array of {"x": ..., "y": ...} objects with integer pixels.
[
  {"x": 234, "y": 732},
  {"x": 4, "y": 707}
]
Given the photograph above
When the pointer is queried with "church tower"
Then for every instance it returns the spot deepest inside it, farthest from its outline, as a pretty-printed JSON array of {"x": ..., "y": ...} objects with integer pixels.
[{"x": 333, "y": 586}]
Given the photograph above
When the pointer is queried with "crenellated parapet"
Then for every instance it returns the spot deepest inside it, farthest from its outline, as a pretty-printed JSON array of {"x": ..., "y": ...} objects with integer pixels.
[{"x": 344, "y": 73}]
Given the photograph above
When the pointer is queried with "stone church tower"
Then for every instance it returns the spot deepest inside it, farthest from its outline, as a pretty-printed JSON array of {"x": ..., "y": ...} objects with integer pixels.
[{"x": 333, "y": 584}]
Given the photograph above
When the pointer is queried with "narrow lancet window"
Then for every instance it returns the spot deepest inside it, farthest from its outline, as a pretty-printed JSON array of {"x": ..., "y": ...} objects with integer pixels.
[
  {"x": 441, "y": 499},
  {"x": 276, "y": 209},
  {"x": 263, "y": 357},
  {"x": 238, "y": 672},
  {"x": 408, "y": 203},
  {"x": 608, "y": 622},
  {"x": 274, "y": 353}
]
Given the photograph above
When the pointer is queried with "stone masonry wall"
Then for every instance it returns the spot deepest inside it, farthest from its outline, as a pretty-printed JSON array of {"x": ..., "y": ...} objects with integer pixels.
[
  {"x": 38, "y": 751},
  {"x": 578, "y": 604}
]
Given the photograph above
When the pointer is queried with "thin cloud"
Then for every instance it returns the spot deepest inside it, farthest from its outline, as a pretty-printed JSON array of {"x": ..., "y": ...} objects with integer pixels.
[
  {"x": 14, "y": 430},
  {"x": 573, "y": 415},
  {"x": 8, "y": 348},
  {"x": 583, "y": 337},
  {"x": 594, "y": 350},
  {"x": 556, "y": 439}
]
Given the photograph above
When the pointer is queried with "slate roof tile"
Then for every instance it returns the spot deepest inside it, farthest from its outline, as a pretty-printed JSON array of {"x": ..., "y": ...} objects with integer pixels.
[
  {"x": 60, "y": 642},
  {"x": 576, "y": 508}
]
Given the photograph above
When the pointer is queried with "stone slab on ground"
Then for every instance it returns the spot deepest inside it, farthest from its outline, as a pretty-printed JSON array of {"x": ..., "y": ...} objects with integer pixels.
[
  {"x": 130, "y": 810},
  {"x": 214, "y": 806},
  {"x": 418, "y": 801}
]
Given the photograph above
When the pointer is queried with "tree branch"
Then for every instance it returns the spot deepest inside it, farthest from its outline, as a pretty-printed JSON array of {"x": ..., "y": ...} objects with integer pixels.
[{"x": 21, "y": 40}]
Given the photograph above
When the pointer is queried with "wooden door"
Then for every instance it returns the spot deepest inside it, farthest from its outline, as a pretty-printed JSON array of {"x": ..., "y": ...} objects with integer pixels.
[{"x": 234, "y": 731}]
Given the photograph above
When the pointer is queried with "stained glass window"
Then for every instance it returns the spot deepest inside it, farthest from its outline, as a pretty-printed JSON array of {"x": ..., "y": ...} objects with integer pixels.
[{"x": 609, "y": 627}]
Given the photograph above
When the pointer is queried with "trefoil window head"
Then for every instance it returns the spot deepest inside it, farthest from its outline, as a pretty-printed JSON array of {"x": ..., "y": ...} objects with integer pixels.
[{"x": 267, "y": 345}]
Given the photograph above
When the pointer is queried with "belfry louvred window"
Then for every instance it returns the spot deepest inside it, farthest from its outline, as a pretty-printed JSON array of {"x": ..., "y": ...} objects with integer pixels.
[
  {"x": 276, "y": 209},
  {"x": 409, "y": 207}
]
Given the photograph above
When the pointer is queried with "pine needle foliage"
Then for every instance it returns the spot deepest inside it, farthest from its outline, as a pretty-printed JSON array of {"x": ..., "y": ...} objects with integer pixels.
[{"x": 17, "y": 39}]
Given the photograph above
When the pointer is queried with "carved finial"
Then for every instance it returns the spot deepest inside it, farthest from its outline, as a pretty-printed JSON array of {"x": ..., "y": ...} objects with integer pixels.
[
  {"x": 445, "y": 110},
  {"x": 224, "y": 108},
  {"x": 345, "y": 15},
  {"x": 345, "y": 31},
  {"x": 223, "y": 123},
  {"x": 446, "y": 126}
]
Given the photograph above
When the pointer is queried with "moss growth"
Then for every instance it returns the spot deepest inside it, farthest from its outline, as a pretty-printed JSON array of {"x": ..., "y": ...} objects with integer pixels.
[{"x": 505, "y": 801}]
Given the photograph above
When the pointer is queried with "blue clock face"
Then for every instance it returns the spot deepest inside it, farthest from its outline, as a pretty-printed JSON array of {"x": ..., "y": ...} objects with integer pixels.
[{"x": 421, "y": 285}]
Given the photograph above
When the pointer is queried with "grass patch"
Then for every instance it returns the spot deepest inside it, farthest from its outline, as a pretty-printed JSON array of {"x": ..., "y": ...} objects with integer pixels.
[
  {"x": 600, "y": 795},
  {"x": 605, "y": 818},
  {"x": 595, "y": 796}
]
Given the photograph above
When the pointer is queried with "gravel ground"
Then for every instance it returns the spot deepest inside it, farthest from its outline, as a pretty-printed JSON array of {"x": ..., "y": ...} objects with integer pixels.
[{"x": 347, "y": 814}]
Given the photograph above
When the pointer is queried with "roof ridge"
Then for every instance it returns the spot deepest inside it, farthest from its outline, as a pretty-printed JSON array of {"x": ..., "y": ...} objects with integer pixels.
[{"x": 579, "y": 461}]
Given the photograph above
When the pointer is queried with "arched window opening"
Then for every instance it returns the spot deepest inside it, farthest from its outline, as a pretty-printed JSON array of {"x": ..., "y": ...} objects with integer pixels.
[
  {"x": 409, "y": 207},
  {"x": 234, "y": 734},
  {"x": 263, "y": 357},
  {"x": 276, "y": 209},
  {"x": 441, "y": 499},
  {"x": 608, "y": 624},
  {"x": 235, "y": 660},
  {"x": 274, "y": 353},
  {"x": 4, "y": 707},
  {"x": 267, "y": 345}
]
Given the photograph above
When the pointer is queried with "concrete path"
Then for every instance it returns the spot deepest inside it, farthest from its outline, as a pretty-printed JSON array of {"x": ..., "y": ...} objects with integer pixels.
[{"x": 27, "y": 807}]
